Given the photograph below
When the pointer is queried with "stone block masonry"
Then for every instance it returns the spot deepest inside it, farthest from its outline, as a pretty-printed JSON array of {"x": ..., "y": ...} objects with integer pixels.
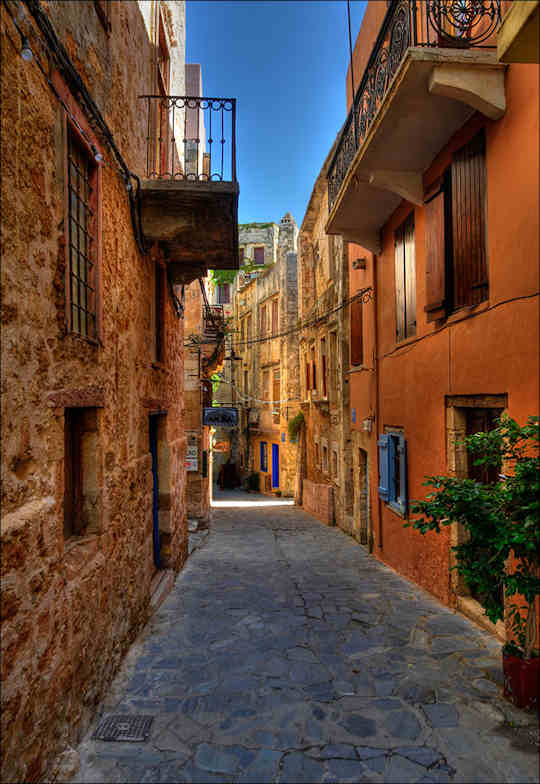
[
  {"x": 73, "y": 599},
  {"x": 318, "y": 500}
]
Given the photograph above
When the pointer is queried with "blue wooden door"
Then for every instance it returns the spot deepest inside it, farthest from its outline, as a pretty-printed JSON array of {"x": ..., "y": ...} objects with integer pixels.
[
  {"x": 155, "y": 489},
  {"x": 275, "y": 465}
]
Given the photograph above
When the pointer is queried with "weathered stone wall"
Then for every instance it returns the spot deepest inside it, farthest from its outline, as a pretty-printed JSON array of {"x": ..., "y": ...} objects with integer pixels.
[
  {"x": 72, "y": 606},
  {"x": 318, "y": 500},
  {"x": 260, "y": 360},
  {"x": 323, "y": 288}
]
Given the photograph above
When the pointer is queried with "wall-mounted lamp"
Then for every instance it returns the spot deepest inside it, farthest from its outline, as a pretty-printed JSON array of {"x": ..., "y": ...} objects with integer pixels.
[
  {"x": 359, "y": 263},
  {"x": 366, "y": 425},
  {"x": 26, "y": 51}
]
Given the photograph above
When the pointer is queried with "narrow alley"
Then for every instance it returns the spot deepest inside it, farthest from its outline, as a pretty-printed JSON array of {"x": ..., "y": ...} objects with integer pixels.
[{"x": 284, "y": 653}]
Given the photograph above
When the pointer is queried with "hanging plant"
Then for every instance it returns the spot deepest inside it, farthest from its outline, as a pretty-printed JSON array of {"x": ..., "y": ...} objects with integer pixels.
[{"x": 294, "y": 427}]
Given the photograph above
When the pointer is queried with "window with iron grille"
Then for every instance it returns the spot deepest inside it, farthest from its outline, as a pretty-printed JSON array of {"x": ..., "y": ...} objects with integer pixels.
[
  {"x": 224, "y": 293},
  {"x": 82, "y": 223}
]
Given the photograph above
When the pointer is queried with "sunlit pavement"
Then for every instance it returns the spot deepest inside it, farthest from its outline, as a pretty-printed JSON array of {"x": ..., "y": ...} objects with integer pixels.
[
  {"x": 285, "y": 653},
  {"x": 224, "y": 499}
]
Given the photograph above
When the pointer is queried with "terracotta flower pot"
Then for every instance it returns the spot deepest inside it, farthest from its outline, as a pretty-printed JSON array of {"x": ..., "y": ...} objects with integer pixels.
[{"x": 521, "y": 681}]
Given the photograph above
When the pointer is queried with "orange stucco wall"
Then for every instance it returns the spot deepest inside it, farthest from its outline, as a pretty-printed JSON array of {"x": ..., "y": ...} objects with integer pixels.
[{"x": 489, "y": 349}]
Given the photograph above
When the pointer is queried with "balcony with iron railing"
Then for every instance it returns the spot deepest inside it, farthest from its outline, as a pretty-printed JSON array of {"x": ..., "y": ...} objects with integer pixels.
[
  {"x": 189, "y": 196},
  {"x": 432, "y": 65}
]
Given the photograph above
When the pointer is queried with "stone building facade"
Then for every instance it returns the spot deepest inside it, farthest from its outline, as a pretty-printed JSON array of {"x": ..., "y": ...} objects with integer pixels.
[
  {"x": 442, "y": 223},
  {"x": 325, "y": 465},
  {"x": 266, "y": 376},
  {"x": 204, "y": 353},
  {"x": 93, "y": 436}
]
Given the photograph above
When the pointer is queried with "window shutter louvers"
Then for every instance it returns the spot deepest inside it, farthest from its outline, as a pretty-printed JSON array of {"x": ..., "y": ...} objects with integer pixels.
[
  {"x": 384, "y": 466},
  {"x": 435, "y": 258}
]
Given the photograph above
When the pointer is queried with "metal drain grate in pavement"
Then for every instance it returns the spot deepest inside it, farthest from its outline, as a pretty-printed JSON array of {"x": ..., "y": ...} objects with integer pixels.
[{"x": 133, "y": 729}]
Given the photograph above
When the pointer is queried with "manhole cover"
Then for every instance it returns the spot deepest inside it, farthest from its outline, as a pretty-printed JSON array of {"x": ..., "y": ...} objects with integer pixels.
[{"x": 124, "y": 728}]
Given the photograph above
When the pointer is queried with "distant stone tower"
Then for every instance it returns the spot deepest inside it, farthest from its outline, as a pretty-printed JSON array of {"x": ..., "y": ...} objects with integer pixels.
[{"x": 288, "y": 236}]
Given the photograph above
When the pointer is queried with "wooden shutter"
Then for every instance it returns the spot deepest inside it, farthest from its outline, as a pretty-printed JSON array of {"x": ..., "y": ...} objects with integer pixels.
[
  {"x": 357, "y": 342},
  {"x": 468, "y": 223},
  {"x": 435, "y": 258},
  {"x": 399, "y": 276},
  {"x": 274, "y": 316},
  {"x": 410, "y": 276},
  {"x": 258, "y": 255},
  {"x": 402, "y": 453},
  {"x": 384, "y": 466}
]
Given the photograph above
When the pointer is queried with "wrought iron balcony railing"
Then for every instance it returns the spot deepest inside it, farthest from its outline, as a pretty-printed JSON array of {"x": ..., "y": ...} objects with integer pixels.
[
  {"x": 191, "y": 138},
  {"x": 458, "y": 24}
]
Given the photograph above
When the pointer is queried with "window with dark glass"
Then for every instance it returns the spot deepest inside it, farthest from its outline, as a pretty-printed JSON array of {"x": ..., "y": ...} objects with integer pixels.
[
  {"x": 82, "y": 224},
  {"x": 357, "y": 333},
  {"x": 405, "y": 278},
  {"x": 159, "y": 299},
  {"x": 82, "y": 496}
]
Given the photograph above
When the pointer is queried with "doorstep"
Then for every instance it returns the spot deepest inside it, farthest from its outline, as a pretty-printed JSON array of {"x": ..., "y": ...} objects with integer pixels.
[{"x": 160, "y": 587}]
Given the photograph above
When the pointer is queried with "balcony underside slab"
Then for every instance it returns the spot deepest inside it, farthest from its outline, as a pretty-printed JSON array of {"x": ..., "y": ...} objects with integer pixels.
[
  {"x": 196, "y": 223},
  {"x": 433, "y": 94},
  {"x": 519, "y": 36}
]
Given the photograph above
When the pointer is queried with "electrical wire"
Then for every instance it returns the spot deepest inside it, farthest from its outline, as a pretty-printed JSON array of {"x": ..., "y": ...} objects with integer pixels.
[
  {"x": 364, "y": 295},
  {"x": 246, "y": 397}
]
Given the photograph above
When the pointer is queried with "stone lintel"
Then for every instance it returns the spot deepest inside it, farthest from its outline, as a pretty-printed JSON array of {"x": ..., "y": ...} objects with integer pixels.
[
  {"x": 87, "y": 397},
  {"x": 155, "y": 404},
  {"x": 479, "y": 86}
]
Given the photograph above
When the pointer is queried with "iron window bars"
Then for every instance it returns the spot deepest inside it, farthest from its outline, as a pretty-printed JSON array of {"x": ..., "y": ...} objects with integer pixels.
[{"x": 81, "y": 239}]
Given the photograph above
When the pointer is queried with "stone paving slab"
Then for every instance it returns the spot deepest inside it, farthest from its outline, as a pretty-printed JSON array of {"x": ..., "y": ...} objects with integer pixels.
[{"x": 285, "y": 653}]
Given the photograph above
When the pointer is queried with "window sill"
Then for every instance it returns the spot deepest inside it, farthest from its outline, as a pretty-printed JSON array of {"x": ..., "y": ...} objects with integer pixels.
[
  {"x": 76, "y": 540},
  {"x": 466, "y": 311},
  {"x": 91, "y": 341},
  {"x": 406, "y": 341},
  {"x": 396, "y": 510},
  {"x": 358, "y": 369}
]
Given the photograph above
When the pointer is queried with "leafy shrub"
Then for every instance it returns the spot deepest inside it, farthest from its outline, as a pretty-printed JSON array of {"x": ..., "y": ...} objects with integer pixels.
[{"x": 502, "y": 519}]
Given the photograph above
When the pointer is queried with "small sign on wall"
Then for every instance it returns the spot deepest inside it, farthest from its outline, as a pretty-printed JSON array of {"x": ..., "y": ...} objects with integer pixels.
[
  {"x": 192, "y": 458},
  {"x": 353, "y": 415}
]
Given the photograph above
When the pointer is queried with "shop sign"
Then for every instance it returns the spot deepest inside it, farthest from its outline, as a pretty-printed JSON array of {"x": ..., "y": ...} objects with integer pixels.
[
  {"x": 220, "y": 416},
  {"x": 192, "y": 458}
]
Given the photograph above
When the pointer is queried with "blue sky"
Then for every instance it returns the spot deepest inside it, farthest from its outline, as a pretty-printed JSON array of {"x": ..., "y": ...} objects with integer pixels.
[{"x": 286, "y": 64}]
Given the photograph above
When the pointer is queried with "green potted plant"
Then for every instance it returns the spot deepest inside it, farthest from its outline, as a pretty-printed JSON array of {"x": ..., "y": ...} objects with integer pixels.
[{"x": 502, "y": 519}]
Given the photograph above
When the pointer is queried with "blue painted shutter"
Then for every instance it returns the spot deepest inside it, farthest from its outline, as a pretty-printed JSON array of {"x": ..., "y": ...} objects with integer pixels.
[
  {"x": 262, "y": 455},
  {"x": 384, "y": 466},
  {"x": 402, "y": 452}
]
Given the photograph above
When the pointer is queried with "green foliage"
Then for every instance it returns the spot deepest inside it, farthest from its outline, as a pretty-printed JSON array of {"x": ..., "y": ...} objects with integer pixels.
[
  {"x": 222, "y": 276},
  {"x": 216, "y": 380},
  {"x": 502, "y": 519},
  {"x": 294, "y": 426}
]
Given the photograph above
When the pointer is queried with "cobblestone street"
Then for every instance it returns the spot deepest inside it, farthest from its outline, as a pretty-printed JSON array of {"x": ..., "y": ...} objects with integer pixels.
[{"x": 285, "y": 653}]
